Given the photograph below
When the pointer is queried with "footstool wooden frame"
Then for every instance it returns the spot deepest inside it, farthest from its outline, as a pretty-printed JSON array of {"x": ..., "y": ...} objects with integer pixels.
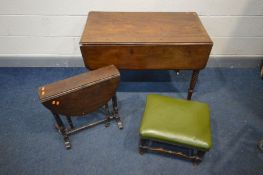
[
  {"x": 194, "y": 155},
  {"x": 172, "y": 121},
  {"x": 80, "y": 95}
]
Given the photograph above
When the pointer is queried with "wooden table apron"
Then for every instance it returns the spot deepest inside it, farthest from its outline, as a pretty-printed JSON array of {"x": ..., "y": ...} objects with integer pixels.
[{"x": 146, "y": 41}]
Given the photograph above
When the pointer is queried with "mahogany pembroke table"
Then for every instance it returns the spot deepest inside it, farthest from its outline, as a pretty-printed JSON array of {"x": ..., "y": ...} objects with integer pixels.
[{"x": 146, "y": 41}]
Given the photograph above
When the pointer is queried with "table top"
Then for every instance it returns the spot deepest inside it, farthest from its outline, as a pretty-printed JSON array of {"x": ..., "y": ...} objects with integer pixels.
[
  {"x": 143, "y": 27},
  {"x": 62, "y": 87}
]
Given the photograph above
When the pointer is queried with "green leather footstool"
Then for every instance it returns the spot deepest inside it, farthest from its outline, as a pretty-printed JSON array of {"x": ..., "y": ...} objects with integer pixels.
[{"x": 177, "y": 122}]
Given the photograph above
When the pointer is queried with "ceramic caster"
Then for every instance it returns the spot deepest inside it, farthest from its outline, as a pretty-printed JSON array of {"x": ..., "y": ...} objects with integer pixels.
[
  {"x": 120, "y": 125},
  {"x": 67, "y": 145},
  {"x": 67, "y": 142}
]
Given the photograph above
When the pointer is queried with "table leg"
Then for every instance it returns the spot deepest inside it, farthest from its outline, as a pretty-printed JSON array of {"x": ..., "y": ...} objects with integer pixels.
[
  {"x": 107, "y": 114},
  {"x": 62, "y": 130},
  {"x": 70, "y": 122},
  {"x": 116, "y": 112},
  {"x": 192, "y": 84}
]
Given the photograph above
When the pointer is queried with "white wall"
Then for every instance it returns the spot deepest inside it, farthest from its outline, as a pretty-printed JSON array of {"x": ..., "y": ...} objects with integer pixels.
[{"x": 53, "y": 27}]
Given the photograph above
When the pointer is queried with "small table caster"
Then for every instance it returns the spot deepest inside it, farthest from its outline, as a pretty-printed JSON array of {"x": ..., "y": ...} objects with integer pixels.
[
  {"x": 67, "y": 145},
  {"x": 120, "y": 125}
]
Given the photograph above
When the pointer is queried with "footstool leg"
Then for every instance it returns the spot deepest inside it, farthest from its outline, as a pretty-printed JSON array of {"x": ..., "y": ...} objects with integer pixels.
[
  {"x": 192, "y": 84},
  {"x": 198, "y": 156},
  {"x": 70, "y": 122},
  {"x": 142, "y": 143},
  {"x": 116, "y": 112},
  {"x": 107, "y": 114},
  {"x": 62, "y": 130}
]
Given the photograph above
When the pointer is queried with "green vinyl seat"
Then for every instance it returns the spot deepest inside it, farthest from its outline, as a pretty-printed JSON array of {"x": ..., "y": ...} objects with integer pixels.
[{"x": 176, "y": 121}]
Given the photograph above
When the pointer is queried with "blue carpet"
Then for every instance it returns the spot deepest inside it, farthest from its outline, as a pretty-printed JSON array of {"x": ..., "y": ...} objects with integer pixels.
[{"x": 31, "y": 145}]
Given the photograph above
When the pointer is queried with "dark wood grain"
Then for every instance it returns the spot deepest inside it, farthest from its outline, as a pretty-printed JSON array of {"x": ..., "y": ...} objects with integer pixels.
[
  {"x": 144, "y": 27},
  {"x": 81, "y": 94},
  {"x": 192, "y": 56},
  {"x": 145, "y": 40}
]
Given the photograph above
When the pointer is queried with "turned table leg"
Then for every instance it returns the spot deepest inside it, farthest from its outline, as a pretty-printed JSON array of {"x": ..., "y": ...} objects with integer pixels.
[
  {"x": 116, "y": 112},
  {"x": 70, "y": 122},
  {"x": 108, "y": 115},
  {"x": 192, "y": 84},
  {"x": 62, "y": 130}
]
